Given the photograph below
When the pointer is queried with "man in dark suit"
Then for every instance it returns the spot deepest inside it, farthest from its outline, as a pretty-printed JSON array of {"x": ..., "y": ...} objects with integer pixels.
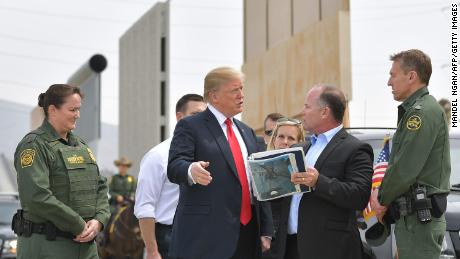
[
  {"x": 322, "y": 224},
  {"x": 217, "y": 215}
]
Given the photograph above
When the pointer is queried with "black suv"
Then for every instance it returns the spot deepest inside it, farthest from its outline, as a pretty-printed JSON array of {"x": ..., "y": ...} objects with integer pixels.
[
  {"x": 451, "y": 243},
  {"x": 9, "y": 204}
]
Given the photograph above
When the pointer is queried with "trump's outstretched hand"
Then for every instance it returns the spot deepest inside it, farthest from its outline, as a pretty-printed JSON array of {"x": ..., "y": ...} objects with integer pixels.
[{"x": 199, "y": 174}]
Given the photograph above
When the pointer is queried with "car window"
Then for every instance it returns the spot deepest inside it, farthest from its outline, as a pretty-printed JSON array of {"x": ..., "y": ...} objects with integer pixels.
[{"x": 7, "y": 210}]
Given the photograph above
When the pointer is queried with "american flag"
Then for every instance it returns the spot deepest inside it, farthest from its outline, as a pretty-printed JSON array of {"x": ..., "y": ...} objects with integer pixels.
[{"x": 379, "y": 172}]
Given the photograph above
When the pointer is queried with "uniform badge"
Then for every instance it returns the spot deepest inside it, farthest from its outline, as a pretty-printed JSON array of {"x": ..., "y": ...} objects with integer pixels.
[
  {"x": 414, "y": 122},
  {"x": 91, "y": 155},
  {"x": 76, "y": 159},
  {"x": 130, "y": 179},
  {"x": 27, "y": 157}
]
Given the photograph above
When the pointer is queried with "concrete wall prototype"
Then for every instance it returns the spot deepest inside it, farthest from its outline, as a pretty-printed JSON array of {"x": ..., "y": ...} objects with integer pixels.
[{"x": 143, "y": 119}]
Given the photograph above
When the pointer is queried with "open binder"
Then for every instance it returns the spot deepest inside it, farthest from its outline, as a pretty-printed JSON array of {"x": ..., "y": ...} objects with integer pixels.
[{"x": 271, "y": 173}]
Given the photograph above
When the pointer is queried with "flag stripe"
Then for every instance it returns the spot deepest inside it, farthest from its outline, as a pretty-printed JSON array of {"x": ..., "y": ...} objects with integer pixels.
[{"x": 379, "y": 173}]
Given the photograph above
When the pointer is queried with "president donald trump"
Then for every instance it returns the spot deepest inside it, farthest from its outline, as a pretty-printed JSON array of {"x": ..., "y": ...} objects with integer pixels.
[{"x": 217, "y": 216}]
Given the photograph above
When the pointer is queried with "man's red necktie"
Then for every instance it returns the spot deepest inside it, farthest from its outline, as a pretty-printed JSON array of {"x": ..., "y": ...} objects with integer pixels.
[{"x": 246, "y": 213}]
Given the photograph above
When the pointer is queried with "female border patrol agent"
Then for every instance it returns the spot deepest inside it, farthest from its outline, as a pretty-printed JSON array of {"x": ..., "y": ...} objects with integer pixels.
[{"x": 63, "y": 196}]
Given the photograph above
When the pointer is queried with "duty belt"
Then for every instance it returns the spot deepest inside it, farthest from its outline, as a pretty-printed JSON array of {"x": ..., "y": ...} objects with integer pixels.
[
  {"x": 24, "y": 227},
  {"x": 408, "y": 203},
  {"x": 49, "y": 230}
]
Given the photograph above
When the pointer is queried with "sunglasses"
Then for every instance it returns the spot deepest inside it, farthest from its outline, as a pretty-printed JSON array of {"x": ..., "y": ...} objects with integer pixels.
[
  {"x": 295, "y": 121},
  {"x": 268, "y": 132}
]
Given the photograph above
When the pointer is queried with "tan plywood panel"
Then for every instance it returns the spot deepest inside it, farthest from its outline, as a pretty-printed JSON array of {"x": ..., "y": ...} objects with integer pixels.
[
  {"x": 279, "y": 22},
  {"x": 305, "y": 13},
  {"x": 330, "y": 8},
  {"x": 279, "y": 80},
  {"x": 345, "y": 52},
  {"x": 255, "y": 28}
]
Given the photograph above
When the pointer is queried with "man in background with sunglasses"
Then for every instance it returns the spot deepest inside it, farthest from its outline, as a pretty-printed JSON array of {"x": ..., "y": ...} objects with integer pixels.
[{"x": 269, "y": 125}]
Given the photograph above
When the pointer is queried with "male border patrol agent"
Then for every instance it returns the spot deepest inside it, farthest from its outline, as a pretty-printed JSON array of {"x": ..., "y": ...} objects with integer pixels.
[
  {"x": 416, "y": 182},
  {"x": 122, "y": 186}
]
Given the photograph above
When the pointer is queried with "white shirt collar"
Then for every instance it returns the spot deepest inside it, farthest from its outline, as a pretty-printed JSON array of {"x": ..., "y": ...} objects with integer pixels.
[
  {"x": 328, "y": 134},
  {"x": 219, "y": 116},
  {"x": 331, "y": 133}
]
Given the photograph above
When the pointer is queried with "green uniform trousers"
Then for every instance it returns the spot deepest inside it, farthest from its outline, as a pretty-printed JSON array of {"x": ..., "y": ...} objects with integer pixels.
[
  {"x": 37, "y": 247},
  {"x": 417, "y": 240}
]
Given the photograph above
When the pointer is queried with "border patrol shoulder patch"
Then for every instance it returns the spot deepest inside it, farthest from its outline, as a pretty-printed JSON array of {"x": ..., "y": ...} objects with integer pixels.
[
  {"x": 27, "y": 157},
  {"x": 414, "y": 123}
]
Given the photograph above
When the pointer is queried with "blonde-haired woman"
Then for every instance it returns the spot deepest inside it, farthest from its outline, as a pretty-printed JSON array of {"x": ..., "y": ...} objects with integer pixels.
[{"x": 286, "y": 133}]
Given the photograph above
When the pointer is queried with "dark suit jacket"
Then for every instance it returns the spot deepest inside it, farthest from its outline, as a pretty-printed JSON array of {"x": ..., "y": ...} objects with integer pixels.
[
  {"x": 207, "y": 219},
  {"x": 327, "y": 225},
  {"x": 261, "y": 143}
]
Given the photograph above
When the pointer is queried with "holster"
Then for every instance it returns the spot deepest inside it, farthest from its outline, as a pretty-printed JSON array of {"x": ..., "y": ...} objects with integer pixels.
[
  {"x": 438, "y": 204},
  {"x": 50, "y": 231},
  {"x": 20, "y": 226},
  {"x": 16, "y": 225}
]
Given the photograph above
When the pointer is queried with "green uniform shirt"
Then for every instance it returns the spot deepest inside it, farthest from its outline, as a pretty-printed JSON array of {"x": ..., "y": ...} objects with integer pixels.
[
  {"x": 122, "y": 185},
  {"x": 59, "y": 180},
  {"x": 420, "y": 152}
]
